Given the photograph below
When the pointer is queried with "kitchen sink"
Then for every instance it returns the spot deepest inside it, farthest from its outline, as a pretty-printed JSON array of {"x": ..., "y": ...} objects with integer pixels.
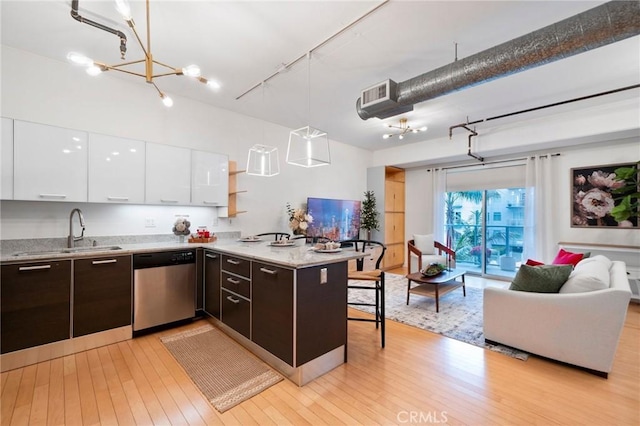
[{"x": 68, "y": 250}]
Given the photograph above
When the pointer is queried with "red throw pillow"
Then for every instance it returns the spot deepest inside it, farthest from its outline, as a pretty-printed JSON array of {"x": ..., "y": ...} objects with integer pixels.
[
  {"x": 532, "y": 262},
  {"x": 567, "y": 258}
]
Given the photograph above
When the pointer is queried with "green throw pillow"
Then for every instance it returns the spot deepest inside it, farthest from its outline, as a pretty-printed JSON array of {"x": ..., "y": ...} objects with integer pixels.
[{"x": 541, "y": 279}]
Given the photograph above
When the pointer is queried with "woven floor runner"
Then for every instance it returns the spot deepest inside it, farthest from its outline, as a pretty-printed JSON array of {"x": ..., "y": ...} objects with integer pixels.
[{"x": 225, "y": 372}]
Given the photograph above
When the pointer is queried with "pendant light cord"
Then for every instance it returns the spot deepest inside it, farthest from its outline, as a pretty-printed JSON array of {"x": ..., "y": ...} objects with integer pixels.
[{"x": 309, "y": 87}]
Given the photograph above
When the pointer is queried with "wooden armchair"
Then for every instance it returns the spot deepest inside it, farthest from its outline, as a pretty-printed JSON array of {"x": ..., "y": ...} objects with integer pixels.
[{"x": 420, "y": 254}]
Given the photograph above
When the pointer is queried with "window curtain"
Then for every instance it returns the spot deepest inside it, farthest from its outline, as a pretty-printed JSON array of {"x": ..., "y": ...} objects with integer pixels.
[
  {"x": 538, "y": 241},
  {"x": 439, "y": 188}
]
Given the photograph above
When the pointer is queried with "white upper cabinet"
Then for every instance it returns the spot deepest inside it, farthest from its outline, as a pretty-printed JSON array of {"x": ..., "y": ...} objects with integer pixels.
[
  {"x": 209, "y": 179},
  {"x": 6, "y": 159},
  {"x": 50, "y": 163},
  {"x": 116, "y": 170},
  {"x": 168, "y": 175}
]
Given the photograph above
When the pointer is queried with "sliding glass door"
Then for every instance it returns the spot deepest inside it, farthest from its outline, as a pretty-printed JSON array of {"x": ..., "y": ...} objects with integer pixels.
[{"x": 485, "y": 228}]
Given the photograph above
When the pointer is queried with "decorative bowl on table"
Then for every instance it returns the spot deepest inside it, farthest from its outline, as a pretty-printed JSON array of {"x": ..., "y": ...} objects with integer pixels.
[{"x": 433, "y": 269}]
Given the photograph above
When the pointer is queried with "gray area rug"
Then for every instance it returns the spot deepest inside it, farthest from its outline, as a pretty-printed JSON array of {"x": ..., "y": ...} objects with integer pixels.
[
  {"x": 225, "y": 372},
  {"x": 459, "y": 318}
]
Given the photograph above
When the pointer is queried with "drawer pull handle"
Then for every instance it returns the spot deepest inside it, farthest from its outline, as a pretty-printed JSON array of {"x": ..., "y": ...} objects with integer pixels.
[
  {"x": 103, "y": 262},
  {"x": 232, "y": 281},
  {"x": 53, "y": 195},
  {"x": 268, "y": 271},
  {"x": 231, "y": 299},
  {"x": 118, "y": 198},
  {"x": 210, "y": 202},
  {"x": 211, "y": 256},
  {"x": 233, "y": 262},
  {"x": 162, "y": 200},
  {"x": 34, "y": 268}
]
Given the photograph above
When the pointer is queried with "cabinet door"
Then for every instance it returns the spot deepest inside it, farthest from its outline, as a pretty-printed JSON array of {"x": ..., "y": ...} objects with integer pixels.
[
  {"x": 116, "y": 170},
  {"x": 394, "y": 196},
  {"x": 272, "y": 306},
  {"x": 394, "y": 256},
  {"x": 167, "y": 175},
  {"x": 394, "y": 228},
  {"x": 209, "y": 179},
  {"x": 50, "y": 163},
  {"x": 212, "y": 283},
  {"x": 35, "y": 304},
  {"x": 101, "y": 294},
  {"x": 6, "y": 159},
  {"x": 321, "y": 311},
  {"x": 236, "y": 313}
]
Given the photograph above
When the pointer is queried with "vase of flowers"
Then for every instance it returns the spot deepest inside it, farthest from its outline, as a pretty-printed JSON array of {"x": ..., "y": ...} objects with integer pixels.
[{"x": 299, "y": 220}]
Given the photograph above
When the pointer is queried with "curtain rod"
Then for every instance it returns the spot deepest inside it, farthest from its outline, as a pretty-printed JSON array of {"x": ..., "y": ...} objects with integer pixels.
[{"x": 557, "y": 154}]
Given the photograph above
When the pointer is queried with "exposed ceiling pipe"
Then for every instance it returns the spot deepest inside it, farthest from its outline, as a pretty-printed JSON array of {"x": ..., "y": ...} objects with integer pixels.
[
  {"x": 123, "y": 38},
  {"x": 602, "y": 25}
]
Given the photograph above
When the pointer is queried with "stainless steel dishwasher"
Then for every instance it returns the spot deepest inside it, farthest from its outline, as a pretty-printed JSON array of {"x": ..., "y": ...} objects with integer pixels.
[{"x": 164, "y": 288}]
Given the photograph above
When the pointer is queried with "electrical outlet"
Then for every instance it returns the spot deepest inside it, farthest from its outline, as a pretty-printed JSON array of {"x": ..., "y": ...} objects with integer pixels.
[
  {"x": 323, "y": 275},
  {"x": 150, "y": 222},
  {"x": 215, "y": 221}
]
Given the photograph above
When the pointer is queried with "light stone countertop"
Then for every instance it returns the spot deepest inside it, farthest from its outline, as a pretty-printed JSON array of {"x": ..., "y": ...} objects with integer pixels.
[{"x": 298, "y": 256}]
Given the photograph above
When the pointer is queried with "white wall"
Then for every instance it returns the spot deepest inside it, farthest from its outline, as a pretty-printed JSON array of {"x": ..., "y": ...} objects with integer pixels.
[
  {"x": 419, "y": 216},
  {"x": 56, "y": 93}
]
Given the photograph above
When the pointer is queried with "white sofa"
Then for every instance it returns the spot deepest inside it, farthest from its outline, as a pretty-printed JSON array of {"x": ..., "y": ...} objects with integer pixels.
[{"x": 579, "y": 326}]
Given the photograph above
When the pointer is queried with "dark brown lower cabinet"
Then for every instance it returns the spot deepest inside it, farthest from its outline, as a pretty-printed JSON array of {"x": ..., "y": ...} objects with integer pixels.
[
  {"x": 236, "y": 312},
  {"x": 35, "y": 304},
  {"x": 272, "y": 305},
  {"x": 101, "y": 294},
  {"x": 212, "y": 283},
  {"x": 321, "y": 321}
]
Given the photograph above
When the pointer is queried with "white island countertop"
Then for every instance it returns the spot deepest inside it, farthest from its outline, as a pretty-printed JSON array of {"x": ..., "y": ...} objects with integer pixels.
[{"x": 297, "y": 256}]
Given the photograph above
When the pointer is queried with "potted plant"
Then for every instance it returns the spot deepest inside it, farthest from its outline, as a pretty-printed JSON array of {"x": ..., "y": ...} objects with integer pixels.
[{"x": 369, "y": 214}]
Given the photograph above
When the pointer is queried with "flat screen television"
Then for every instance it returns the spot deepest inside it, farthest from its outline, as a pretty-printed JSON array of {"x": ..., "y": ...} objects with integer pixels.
[{"x": 334, "y": 219}]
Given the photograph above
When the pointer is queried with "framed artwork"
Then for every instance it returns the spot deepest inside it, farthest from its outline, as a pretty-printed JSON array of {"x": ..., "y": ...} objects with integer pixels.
[{"x": 593, "y": 196}]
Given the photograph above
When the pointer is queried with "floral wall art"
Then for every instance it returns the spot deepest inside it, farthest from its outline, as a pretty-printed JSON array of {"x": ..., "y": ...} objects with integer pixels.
[{"x": 597, "y": 191}]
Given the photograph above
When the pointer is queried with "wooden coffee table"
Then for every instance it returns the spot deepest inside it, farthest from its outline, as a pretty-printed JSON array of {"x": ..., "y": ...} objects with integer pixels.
[{"x": 436, "y": 286}]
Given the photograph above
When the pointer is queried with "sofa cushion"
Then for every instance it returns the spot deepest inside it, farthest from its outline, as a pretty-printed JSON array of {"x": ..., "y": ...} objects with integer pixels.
[
  {"x": 541, "y": 279},
  {"x": 532, "y": 262},
  {"x": 567, "y": 258},
  {"x": 424, "y": 243},
  {"x": 589, "y": 275}
]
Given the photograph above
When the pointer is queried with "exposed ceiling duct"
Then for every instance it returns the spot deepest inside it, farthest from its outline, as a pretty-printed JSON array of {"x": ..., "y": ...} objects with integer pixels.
[{"x": 602, "y": 25}]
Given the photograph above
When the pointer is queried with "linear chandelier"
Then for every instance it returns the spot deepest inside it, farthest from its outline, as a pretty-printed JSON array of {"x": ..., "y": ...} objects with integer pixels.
[
  {"x": 404, "y": 129},
  {"x": 94, "y": 68}
]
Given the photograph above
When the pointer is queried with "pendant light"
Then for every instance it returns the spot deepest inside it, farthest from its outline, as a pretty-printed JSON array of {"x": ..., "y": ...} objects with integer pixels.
[
  {"x": 263, "y": 159},
  {"x": 308, "y": 147}
]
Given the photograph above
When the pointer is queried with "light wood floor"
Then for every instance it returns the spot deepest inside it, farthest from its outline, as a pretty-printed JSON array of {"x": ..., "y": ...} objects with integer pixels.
[{"x": 419, "y": 378}]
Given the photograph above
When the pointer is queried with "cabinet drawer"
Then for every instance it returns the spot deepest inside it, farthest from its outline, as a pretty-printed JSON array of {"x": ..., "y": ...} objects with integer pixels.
[
  {"x": 237, "y": 285},
  {"x": 236, "y": 313},
  {"x": 236, "y": 265}
]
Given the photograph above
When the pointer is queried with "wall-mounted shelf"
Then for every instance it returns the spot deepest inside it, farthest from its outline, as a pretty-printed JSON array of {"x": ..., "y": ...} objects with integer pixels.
[{"x": 232, "y": 210}]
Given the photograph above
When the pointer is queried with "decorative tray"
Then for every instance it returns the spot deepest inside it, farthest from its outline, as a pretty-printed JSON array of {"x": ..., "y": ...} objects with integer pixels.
[
  {"x": 284, "y": 244},
  {"x": 250, "y": 239},
  {"x": 433, "y": 270},
  {"x": 335, "y": 250}
]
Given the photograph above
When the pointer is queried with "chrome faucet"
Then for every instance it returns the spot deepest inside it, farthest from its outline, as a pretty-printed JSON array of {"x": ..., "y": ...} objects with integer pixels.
[{"x": 71, "y": 239}]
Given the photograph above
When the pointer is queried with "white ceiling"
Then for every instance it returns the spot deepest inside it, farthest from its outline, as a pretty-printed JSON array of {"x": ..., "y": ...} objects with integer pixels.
[{"x": 241, "y": 43}]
